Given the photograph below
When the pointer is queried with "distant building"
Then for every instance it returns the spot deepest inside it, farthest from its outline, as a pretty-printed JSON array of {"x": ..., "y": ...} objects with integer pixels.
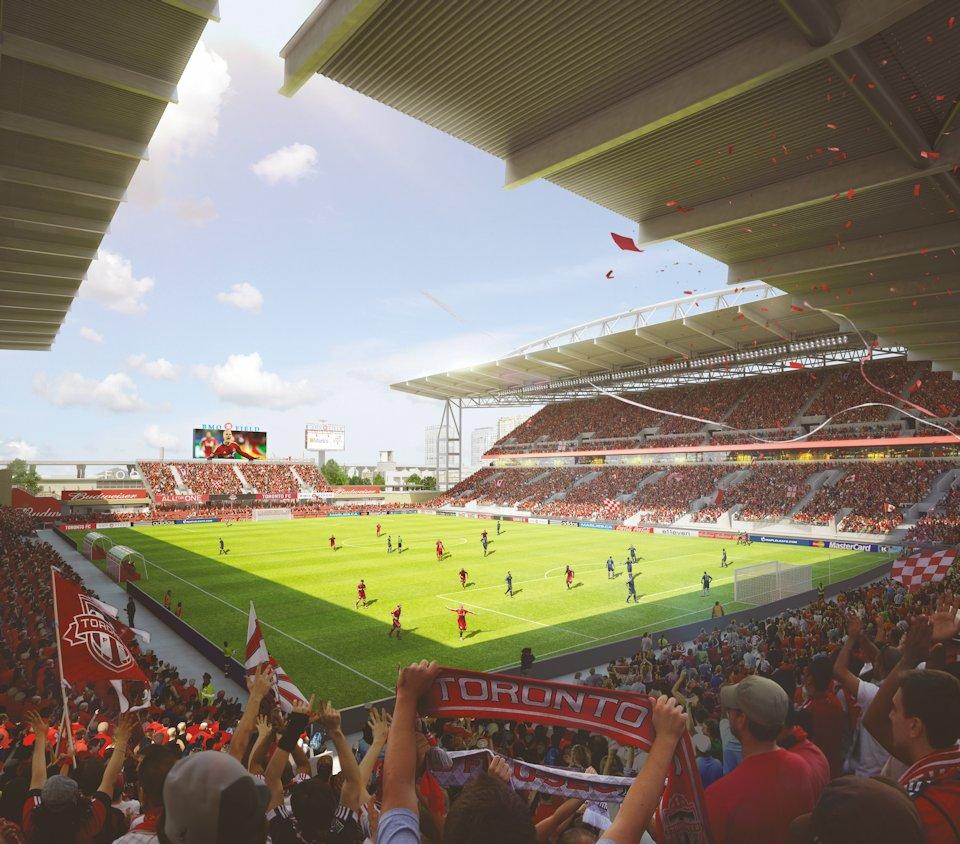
[
  {"x": 430, "y": 434},
  {"x": 481, "y": 441},
  {"x": 505, "y": 424}
]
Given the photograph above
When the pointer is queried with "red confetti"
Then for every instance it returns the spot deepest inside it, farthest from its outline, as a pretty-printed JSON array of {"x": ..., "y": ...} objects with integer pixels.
[
  {"x": 940, "y": 97},
  {"x": 834, "y": 149},
  {"x": 851, "y": 193},
  {"x": 914, "y": 303},
  {"x": 930, "y": 154},
  {"x": 831, "y": 125},
  {"x": 930, "y": 39},
  {"x": 747, "y": 230},
  {"x": 849, "y": 291},
  {"x": 625, "y": 243},
  {"x": 730, "y": 150},
  {"x": 698, "y": 162},
  {"x": 951, "y": 21},
  {"x": 871, "y": 86},
  {"x": 796, "y": 308},
  {"x": 916, "y": 189},
  {"x": 740, "y": 316},
  {"x": 609, "y": 273},
  {"x": 795, "y": 364},
  {"x": 916, "y": 385},
  {"x": 764, "y": 309},
  {"x": 671, "y": 203},
  {"x": 923, "y": 251},
  {"x": 944, "y": 409},
  {"x": 847, "y": 224}
]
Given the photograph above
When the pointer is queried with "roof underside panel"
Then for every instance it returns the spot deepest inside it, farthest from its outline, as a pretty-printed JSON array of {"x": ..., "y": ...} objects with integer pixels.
[
  {"x": 83, "y": 84},
  {"x": 813, "y": 145}
]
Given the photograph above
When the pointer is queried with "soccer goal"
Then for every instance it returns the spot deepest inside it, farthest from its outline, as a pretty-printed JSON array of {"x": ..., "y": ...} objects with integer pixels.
[
  {"x": 272, "y": 514},
  {"x": 764, "y": 583}
]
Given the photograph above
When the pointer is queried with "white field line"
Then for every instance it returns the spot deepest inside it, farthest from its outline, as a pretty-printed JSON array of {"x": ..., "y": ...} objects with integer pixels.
[
  {"x": 272, "y": 627},
  {"x": 446, "y": 599}
]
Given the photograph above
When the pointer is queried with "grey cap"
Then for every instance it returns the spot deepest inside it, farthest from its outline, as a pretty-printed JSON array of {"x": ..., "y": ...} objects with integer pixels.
[
  {"x": 761, "y": 700},
  {"x": 59, "y": 792},
  {"x": 209, "y": 796}
]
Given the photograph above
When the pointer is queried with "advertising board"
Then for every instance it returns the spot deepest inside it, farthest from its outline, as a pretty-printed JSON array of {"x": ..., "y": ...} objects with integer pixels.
[{"x": 323, "y": 436}]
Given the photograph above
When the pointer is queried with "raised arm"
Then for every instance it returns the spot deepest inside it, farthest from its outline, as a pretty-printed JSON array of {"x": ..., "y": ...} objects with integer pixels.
[
  {"x": 913, "y": 650},
  {"x": 350, "y": 793},
  {"x": 399, "y": 768},
  {"x": 257, "y": 761},
  {"x": 259, "y": 686},
  {"x": 841, "y": 668},
  {"x": 38, "y": 761},
  {"x": 380, "y": 727},
  {"x": 296, "y": 723},
  {"x": 121, "y": 737},
  {"x": 643, "y": 797}
]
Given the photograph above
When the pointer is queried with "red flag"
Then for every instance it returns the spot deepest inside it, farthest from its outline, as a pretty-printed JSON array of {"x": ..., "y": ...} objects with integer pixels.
[
  {"x": 288, "y": 695},
  {"x": 626, "y": 243},
  {"x": 923, "y": 567},
  {"x": 90, "y": 639}
]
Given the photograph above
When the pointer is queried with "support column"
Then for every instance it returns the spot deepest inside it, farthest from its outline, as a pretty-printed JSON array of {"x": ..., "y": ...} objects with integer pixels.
[{"x": 449, "y": 463}]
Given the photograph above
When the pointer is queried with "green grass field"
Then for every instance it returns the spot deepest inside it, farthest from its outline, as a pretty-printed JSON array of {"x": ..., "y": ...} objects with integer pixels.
[{"x": 305, "y": 593}]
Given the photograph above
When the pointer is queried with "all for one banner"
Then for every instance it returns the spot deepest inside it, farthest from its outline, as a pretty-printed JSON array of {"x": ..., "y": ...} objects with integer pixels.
[{"x": 625, "y": 717}]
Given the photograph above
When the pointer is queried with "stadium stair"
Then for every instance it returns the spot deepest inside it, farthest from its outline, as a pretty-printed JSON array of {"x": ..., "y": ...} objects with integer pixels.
[
  {"x": 801, "y": 416},
  {"x": 245, "y": 485},
  {"x": 301, "y": 483},
  {"x": 941, "y": 486},
  {"x": 815, "y": 482},
  {"x": 583, "y": 479},
  {"x": 728, "y": 481},
  {"x": 178, "y": 481}
]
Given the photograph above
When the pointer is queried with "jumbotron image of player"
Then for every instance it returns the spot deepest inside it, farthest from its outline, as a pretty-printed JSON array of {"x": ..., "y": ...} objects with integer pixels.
[
  {"x": 361, "y": 593},
  {"x": 569, "y": 577},
  {"x": 395, "y": 628},
  {"x": 462, "y": 614},
  {"x": 209, "y": 444},
  {"x": 230, "y": 447}
]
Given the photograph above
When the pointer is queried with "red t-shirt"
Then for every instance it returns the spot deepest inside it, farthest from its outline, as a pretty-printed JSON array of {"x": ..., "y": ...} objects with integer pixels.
[
  {"x": 828, "y": 722},
  {"x": 86, "y": 831},
  {"x": 757, "y": 801},
  {"x": 816, "y": 761}
]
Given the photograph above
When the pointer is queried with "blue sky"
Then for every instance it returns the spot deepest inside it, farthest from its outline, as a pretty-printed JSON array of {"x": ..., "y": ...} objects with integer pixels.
[{"x": 267, "y": 268}]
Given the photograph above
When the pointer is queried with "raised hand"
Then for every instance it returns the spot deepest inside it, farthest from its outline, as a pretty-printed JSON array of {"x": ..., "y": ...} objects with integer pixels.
[
  {"x": 124, "y": 729},
  {"x": 304, "y": 707},
  {"x": 379, "y": 725},
  {"x": 499, "y": 768},
  {"x": 261, "y": 682},
  {"x": 38, "y": 724},
  {"x": 264, "y": 727},
  {"x": 417, "y": 678},
  {"x": 854, "y": 625},
  {"x": 329, "y": 718},
  {"x": 916, "y": 642},
  {"x": 669, "y": 719},
  {"x": 944, "y": 619}
]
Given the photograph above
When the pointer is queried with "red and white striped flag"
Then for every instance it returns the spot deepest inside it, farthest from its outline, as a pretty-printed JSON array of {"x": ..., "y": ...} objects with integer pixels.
[
  {"x": 287, "y": 693},
  {"x": 923, "y": 567}
]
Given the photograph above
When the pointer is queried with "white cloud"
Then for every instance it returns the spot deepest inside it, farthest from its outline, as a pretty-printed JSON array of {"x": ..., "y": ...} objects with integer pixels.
[
  {"x": 243, "y": 381},
  {"x": 288, "y": 164},
  {"x": 116, "y": 391},
  {"x": 91, "y": 334},
  {"x": 157, "y": 438},
  {"x": 161, "y": 369},
  {"x": 20, "y": 449},
  {"x": 244, "y": 296},
  {"x": 193, "y": 122},
  {"x": 111, "y": 282},
  {"x": 197, "y": 212}
]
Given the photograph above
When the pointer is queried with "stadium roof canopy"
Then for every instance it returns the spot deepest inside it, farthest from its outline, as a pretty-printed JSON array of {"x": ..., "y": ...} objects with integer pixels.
[
  {"x": 83, "y": 84},
  {"x": 749, "y": 330},
  {"x": 809, "y": 143}
]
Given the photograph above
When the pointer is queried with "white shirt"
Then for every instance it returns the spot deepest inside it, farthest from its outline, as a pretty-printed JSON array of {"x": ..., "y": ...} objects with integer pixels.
[{"x": 867, "y": 756}]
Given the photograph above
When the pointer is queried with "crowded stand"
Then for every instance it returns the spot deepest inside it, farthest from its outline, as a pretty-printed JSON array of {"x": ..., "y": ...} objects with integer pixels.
[
  {"x": 768, "y": 493},
  {"x": 312, "y": 476},
  {"x": 210, "y": 478},
  {"x": 157, "y": 477},
  {"x": 789, "y": 716},
  {"x": 941, "y": 525},
  {"x": 271, "y": 478},
  {"x": 507, "y": 488},
  {"x": 845, "y": 387},
  {"x": 598, "y": 495},
  {"x": 667, "y": 498},
  {"x": 466, "y": 489},
  {"x": 771, "y": 401}
]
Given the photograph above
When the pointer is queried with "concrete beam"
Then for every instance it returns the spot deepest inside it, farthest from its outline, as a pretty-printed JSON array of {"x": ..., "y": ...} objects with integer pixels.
[
  {"x": 209, "y": 9},
  {"x": 48, "y": 218},
  {"x": 11, "y": 267},
  {"x": 865, "y": 250},
  {"x": 875, "y": 171},
  {"x": 27, "y": 316},
  {"x": 48, "y": 247},
  {"x": 771, "y": 55},
  {"x": 645, "y": 335},
  {"x": 610, "y": 347},
  {"x": 76, "y": 64},
  {"x": 58, "y": 288},
  {"x": 573, "y": 356},
  {"x": 706, "y": 332},
  {"x": 24, "y": 346},
  {"x": 763, "y": 322},
  {"x": 64, "y": 184},
  {"x": 42, "y": 304},
  {"x": 319, "y": 38},
  {"x": 37, "y": 127}
]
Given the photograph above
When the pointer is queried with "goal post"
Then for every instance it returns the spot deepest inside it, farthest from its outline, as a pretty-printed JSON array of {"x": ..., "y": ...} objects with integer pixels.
[
  {"x": 272, "y": 514},
  {"x": 764, "y": 583}
]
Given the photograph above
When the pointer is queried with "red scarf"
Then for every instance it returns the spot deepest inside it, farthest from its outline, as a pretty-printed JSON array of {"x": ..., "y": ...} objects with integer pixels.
[
  {"x": 942, "y": 765},
  {"x": 623, "y": 716}
]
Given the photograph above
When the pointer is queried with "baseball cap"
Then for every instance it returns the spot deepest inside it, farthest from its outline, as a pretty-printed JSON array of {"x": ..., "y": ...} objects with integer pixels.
[
  {"x": 854, "y": 809},
  {"x": 59, "y": 792},
  {"x": 761, "y": 700},
  {"x": 209, "y": 797},
  {"x": 702, "y": 742}
]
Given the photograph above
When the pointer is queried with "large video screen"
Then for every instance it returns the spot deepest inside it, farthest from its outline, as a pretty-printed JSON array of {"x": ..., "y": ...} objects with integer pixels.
[
  {"x": 229, "y": 443},
  {"x": 324, "y": 438}
]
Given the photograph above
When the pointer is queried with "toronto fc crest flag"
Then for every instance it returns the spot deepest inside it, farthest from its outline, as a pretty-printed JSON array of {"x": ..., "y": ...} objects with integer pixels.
[
  {"x": 288, "y": 695},
  {"x": 90, "y": 641}
]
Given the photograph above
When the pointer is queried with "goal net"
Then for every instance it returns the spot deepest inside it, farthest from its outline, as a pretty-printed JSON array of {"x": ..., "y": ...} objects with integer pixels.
[
  {"x": 764, "y": 583},
  {"x": 272, "y": 514}
]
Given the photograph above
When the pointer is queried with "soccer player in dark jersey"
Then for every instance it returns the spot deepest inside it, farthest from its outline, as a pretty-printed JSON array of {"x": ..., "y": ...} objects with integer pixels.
[
  {"x": 399, "y": 545},
  {"x": 361, "y": 593},
  {"x": 483, "y": 542},
  {"x": 498, "y": 527},
  {"x": 463, "y": 578},
  {"x": 633, "y": 553},
  {"x": 509, "y": 582},
  {"x": 569, "y": 577},
  {"x": 389, "y": 544},
  {"x": 395, "y": 612},
  {"x": 629, "y": 567},
  {"x": 333, "y": 542},
  {"x": 723, "y": 559},
  {"x": 705, "y": 582},
  {"x": 223, "y": 548},
  {"x": 631, "y": 589},
  {"x": 462, "y": 614},
  {"x": 610, "y": 572}
]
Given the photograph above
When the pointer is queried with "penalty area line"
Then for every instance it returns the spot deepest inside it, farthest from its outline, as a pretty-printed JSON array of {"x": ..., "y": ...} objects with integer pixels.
[{"x": 272, "y": 627}]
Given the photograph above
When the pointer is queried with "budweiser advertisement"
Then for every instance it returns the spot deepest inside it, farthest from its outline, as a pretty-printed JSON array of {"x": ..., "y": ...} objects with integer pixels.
[
  {"x": 42, "y": 507},
  {"x": 104, "y": 496}
]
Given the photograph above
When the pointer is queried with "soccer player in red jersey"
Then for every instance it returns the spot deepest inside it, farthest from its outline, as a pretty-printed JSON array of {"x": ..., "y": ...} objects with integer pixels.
[
  {"x": 333, "y": 542},
  {"x": 378, "y": 530},
  {"x": 439, "y": 549},
  {"x": 462, "y": 614},
  {"x": 395, "y": 612},
  {"x": 463, "y": 578},
  {"x": 361, "y": 593},
  {"x": 569, "y": 577},
  {"x": 208, "y": 444}
]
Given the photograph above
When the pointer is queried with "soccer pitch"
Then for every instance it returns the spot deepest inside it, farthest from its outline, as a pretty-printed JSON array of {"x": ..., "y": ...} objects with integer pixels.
[{"x": 305, "y": 592}]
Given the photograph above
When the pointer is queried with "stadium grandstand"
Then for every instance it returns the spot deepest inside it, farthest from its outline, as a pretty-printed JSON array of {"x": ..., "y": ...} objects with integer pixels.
[{"x": 794, "y": 436}]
